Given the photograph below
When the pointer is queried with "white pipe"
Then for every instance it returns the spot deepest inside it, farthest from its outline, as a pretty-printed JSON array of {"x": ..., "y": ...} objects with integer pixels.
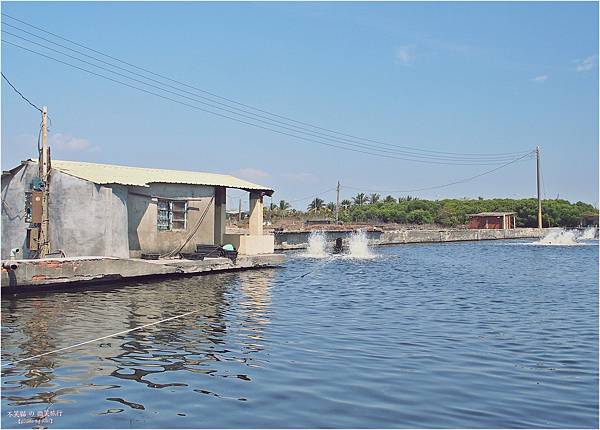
[
  {"x": 10, "y": 266},
  {"x": 13, "y": 253}
]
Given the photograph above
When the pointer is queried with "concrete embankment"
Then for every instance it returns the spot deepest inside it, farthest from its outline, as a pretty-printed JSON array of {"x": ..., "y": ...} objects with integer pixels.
[
  {"x": 75, "y": 271},
  {"x": 288, "y": 240}
]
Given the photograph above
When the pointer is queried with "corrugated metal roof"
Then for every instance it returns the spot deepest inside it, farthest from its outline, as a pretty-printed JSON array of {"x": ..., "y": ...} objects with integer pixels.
[
  {"x": 492, "y": 214},
  {"x": 140, "y": 176}
]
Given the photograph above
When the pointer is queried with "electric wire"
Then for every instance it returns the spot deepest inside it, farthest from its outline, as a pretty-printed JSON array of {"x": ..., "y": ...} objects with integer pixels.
[
  {"x": 411, "y": 151},
  {"x": 233, "y": 118},
  {"x": 312, "y": 196},
  {"x": 260, "y": 118},
  {"x": 20, "y": 93},
  {"x": 460, "y": 181},
  {"x": 422, "y": 159}
]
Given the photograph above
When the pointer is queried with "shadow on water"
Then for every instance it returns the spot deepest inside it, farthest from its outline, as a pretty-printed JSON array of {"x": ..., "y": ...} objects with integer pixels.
[{"x": 197, "y": 344}]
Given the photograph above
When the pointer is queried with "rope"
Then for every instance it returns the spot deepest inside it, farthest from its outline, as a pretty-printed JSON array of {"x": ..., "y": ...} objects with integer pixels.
[
  {"x": 142, "y": 326},
  {"x": 192, "y": 233},
  {"x": 103, "y": 337}
]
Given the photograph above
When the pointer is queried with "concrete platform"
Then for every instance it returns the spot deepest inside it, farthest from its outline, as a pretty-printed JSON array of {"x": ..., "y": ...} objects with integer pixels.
[{"x": 74, "y": 271}]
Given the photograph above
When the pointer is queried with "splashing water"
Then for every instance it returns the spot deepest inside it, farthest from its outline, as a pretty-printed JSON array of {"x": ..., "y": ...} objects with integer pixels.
[
  {"x": 588, "y": 234},
  {"x": 358, "y": 245},
  {"x": 559, "y": 237},
  {"x": 316, "y": 245}
]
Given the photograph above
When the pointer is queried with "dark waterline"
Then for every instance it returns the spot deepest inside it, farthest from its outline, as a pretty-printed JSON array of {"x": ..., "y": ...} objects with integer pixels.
[{"x": 470, "y": 335}]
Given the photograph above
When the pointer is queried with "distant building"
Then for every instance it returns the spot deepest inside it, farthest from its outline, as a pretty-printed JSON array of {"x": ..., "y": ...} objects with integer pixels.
[
  {"x": 589, "y": 220},
  {"x": 492, "y": 220},
  {"x": 108, "y": 210}
]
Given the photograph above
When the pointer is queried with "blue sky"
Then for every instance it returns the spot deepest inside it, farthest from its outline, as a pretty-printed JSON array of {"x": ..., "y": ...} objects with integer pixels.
[{"x": 454, "y": 77}]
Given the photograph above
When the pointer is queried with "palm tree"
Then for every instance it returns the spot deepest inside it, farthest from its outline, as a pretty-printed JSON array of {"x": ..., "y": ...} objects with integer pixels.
[
  {"x": 316, "y": 205},
  {"x": 284, "y": 206},
  {"x": 373, "y": 198},
  {"x": 406, "y": 199},
  {"x": 360, "y": 199},
  {"x": 389, "y": 199},
  {"x": 346, "y": 203},
  {"x": 331, "y": 206}
]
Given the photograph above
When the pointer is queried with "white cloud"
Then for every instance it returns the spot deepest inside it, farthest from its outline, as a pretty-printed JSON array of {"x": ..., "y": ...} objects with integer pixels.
[
  {"x": 405, "y": 55},
  {"x": 586, "y": 64},
  {"x": 252, "y": 174},
  {"x": 68, "y": 142},
  {"x": 540, "y": 79}
]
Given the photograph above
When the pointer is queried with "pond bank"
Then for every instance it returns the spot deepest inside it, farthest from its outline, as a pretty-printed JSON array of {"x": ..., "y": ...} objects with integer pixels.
[{"x": 287, "y": 240}]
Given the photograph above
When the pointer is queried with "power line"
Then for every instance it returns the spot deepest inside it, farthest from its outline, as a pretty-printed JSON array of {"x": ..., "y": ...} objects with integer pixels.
[
  {"x": 460, "y": 181},
  {"x": 19, "y": 93},
  {"x": 493, "y": 159},
  {"x": 416, "y": 152},
  {"x": 421, "y": 158},
  {"x": 233, "y": 118},
  {"x": 312, "y": 196}
]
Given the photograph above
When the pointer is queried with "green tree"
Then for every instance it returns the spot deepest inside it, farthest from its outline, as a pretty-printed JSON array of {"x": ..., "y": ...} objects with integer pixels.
[
  {"x": 389, "y": 199},
  {"x": 360, "y": 199},
  {"x": 346, "y": 203},
  {"x": 420, "y": 216},
  {"x": 284, "y": 206},
  {"x": 373, "y": 198},
  {"x": 316, "y": 205}
]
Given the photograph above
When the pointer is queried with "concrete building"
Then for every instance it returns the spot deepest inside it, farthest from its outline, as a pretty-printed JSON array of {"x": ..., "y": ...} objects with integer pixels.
[
  {"x": 492, "y": 220},
  {"x": 118, "y": 211}
]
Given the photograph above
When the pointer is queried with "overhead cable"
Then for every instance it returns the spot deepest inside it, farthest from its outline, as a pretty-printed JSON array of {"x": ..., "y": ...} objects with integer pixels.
[{"x": 408, "y": 151}]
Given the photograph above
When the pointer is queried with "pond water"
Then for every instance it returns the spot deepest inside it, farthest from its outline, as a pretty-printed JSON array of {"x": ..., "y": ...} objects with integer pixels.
[{"x": 486, "y": 335}]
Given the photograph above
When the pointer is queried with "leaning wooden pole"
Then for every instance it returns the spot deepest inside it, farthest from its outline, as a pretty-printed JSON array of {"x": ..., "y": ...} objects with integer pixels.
[
  {"x": 44, "y": 170},
  {"x": 539, "y": 196}
]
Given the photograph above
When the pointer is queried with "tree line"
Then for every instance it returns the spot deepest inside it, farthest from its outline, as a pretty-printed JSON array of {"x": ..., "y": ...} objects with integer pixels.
[{"x": 446, "y": 212}]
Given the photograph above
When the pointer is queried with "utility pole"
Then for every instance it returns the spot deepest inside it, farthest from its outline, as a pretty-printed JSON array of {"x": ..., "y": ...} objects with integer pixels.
[
  {"x": 44, "y": 170},
  {"x": 539, "y": 196},
  {"x": 337, "y": 203},
  {"x": 240, "y": 210}
]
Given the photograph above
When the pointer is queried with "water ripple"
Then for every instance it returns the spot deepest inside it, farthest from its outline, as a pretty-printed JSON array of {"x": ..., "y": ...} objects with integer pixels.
[{"x": 470, "y": 335}]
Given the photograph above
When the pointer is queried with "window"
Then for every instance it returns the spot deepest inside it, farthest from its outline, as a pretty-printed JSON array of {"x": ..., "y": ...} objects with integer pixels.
[{"x": 172, "y": 215}]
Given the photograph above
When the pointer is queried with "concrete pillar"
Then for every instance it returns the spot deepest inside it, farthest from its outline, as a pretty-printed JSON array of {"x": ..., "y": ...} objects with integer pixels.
[
  {"x": 220, "y": 210},
  {"x": 256, "y": 213}
]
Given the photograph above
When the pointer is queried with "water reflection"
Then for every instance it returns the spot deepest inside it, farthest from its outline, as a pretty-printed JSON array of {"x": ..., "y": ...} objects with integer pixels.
[
  {"x": 440, "y": 335},
  {"x": 203, "y": 344}
]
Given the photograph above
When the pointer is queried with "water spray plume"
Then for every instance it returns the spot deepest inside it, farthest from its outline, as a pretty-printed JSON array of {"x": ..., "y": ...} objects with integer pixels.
[
  {"x": 316, "y": 245},
  {"x": 589, "y": 233},
  {"x": 562, "y": 237},
  {"x": 359, "y": 245}
]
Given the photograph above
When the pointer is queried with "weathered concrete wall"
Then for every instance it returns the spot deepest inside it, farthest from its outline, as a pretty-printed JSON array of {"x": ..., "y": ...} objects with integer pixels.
[
  {"x": 249, "y": 244},
  {"x": 85, "y": 218},
  {"x": 293, "y": 240},
  {"x": 78, "y": 270},
  {"x": 14, "y": 228},
  {"x": 144, "y": 235}
]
